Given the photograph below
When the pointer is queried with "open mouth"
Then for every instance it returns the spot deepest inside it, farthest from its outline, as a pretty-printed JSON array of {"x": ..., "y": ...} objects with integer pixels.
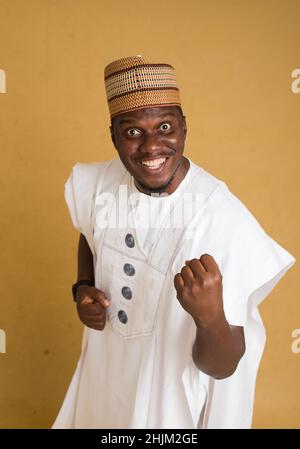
[{"x": 153, "y": 165}]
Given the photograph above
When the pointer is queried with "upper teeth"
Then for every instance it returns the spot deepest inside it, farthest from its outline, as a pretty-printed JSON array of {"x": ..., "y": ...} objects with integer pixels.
[{"x": 154, "y": 163}]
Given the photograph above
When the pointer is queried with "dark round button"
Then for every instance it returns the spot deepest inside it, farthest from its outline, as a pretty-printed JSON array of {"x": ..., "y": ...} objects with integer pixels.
[
  {"x": 129, "y": 269},
  {"x": 122, "y": 316},
  {"x": 126, "y": 292},
  {"x": 129, "y": 240}
]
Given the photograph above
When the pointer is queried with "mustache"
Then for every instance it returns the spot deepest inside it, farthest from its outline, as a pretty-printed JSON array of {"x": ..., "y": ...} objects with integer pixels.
[{"x": 154, "y": 156}]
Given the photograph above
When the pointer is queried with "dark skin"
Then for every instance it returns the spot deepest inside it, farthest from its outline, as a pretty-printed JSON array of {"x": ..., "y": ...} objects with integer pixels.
[
  {"x": 157, "y": 136},
  {"x": 91, "y": 302}
]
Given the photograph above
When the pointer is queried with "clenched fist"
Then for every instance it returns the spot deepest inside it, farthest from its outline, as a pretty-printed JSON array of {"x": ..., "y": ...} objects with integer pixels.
[
  {"x": 91, "y": 306},
  {"x": 199, "y": 290}
]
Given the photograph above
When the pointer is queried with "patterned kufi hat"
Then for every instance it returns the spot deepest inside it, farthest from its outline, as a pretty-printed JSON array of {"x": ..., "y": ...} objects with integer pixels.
[{"x": 132, "y": 83}]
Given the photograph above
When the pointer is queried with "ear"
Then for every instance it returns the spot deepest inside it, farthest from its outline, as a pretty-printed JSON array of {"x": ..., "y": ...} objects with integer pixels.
[
  {"x": 184, "y": 125},
  {"x": 112, "y": 135}
]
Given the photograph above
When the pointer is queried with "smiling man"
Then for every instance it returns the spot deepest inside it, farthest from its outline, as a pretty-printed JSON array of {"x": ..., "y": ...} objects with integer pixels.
[
  {"x": 150, "y": 143},
  {"x": 172, "y": 332}
]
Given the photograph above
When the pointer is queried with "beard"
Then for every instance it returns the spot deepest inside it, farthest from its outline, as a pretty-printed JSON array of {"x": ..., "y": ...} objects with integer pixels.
[{"x": 160, "y": 189}]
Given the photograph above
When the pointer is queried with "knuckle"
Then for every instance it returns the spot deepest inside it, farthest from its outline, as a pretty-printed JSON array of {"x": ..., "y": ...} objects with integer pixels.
[
  {"x": 194, "y": 289},
  {"x": 207, "y": 282},
  {"x": 218, "y": 277},
  {"x": 176, "y": 283},
  {"x": 204, "y": 256},
  {"x": 185, "y": 294}
]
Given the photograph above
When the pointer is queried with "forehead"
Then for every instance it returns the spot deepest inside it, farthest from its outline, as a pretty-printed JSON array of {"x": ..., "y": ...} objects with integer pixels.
[{"x": 145, "y": 113}]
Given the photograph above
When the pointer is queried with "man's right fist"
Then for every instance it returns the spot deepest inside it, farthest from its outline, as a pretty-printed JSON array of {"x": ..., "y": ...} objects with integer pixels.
[{"x": 91, "y": 306}]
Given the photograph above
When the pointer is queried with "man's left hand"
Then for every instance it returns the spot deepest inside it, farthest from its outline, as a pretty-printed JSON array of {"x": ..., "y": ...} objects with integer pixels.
[{"x": 199, "y": 290}]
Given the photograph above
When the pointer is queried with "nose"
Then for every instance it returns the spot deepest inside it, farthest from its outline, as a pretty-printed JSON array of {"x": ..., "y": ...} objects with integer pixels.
[{"x": 151, "y": 144}]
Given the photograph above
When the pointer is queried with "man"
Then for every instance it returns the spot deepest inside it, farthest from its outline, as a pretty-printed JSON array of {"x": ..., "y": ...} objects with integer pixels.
[{"x": 169, "y": 275}]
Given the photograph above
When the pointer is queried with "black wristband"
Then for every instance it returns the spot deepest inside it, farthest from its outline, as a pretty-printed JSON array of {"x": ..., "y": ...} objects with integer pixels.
[{"x": 81, "y": 282}]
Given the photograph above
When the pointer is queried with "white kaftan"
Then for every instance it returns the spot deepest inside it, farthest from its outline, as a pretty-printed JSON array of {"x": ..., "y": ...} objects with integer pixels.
[{"x": 138, "y": 372}]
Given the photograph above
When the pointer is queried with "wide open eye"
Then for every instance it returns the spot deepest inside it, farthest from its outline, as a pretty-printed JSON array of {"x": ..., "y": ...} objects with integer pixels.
[
  {"x": 131, "y": 132},
  {"x": 165, "y": 126}
]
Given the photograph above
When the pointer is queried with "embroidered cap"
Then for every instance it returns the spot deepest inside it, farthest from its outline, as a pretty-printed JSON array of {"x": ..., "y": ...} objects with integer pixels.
[{"x": 132, "y": 83}]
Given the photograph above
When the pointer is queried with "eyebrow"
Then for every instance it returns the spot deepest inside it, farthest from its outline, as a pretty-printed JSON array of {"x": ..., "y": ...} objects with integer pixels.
[{"x": 129, "y": 120}]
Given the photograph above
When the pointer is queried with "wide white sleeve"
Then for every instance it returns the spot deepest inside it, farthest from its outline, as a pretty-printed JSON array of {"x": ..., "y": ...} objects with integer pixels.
[
  {"x": 252, "y": 264},
  {"x": 70, "y": 199},
  {"x": 79, "y": 192},
  {"x": 251, "y": 261}
]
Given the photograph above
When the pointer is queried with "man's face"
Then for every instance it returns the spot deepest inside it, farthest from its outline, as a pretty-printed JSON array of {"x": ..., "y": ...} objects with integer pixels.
[{"x": 150, "y": 143}]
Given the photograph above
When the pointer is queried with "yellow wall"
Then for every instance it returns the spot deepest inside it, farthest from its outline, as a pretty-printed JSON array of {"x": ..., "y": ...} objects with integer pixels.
[{"x": 234, "y": 61}]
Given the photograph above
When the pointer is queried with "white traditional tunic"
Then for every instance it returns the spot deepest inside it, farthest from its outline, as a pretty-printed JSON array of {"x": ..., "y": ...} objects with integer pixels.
[{"x": 139, "y": 372}]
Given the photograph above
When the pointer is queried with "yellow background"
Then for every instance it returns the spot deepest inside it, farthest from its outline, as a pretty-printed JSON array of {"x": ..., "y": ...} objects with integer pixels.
[{"x": 233, "y": 61}]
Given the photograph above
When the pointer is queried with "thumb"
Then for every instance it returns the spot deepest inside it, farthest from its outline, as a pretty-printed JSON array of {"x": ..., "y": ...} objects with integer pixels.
[
  {"x": 87, "y": 300},
  {"x": 100, "y": 297}
]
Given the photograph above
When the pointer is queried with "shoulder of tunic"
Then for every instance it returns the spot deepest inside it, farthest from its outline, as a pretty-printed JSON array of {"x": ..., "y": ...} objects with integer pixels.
[{"x": 217, "y": 196}]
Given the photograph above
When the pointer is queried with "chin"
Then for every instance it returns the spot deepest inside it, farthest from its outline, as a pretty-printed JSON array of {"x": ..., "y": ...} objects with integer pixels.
[{"x": 158, "y": 185}]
